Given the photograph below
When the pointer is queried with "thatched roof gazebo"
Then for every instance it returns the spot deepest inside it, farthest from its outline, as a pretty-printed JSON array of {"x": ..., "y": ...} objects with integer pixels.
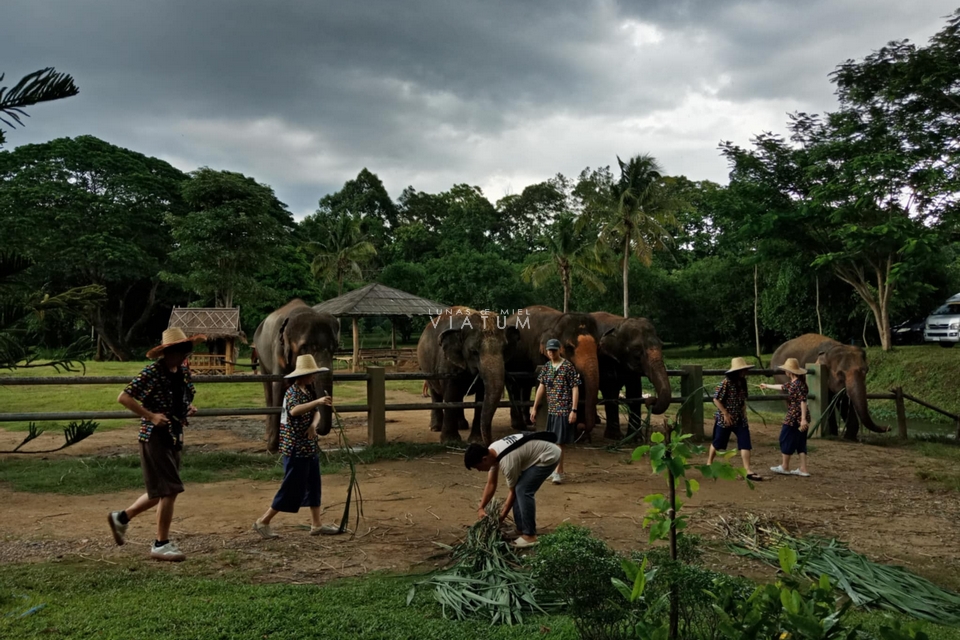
[
  {"x": 215, "y": 324},
  {"x": 377, "y": 300}
]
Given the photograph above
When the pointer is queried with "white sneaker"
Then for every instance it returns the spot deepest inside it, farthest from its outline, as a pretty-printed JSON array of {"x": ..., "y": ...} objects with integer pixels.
[
  {"x": 264, "y": 530},
  {"x": 169, "y": 552},
  {"x": 119, "y": 530},
  {"x": 556, "y": 478},
  {"x": 779, "y": 469},
  {"x": 802, "y": 474}
]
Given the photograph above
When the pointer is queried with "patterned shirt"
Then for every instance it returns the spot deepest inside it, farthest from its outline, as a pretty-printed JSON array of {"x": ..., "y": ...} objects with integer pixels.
[
  {"x": 734, "y": 400},
  {"x": 560, "y": 382},
  {"x": 797, "y": 390},
  {"x": 293, "y": 429},
  {"x": 154, "y": 389}
]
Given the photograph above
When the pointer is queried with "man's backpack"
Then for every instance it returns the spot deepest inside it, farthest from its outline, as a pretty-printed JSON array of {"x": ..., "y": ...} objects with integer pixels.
[{"x": 549, "y": 436}]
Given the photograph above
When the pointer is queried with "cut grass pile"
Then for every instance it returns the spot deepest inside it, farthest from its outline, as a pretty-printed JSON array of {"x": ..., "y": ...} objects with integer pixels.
[
  {"x": 85, "y": 600},
  {"x": 95, "y": 475}
]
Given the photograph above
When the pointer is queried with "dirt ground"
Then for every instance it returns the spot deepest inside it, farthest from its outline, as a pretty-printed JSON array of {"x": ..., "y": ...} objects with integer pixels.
[{"x": 870, "y": 497}]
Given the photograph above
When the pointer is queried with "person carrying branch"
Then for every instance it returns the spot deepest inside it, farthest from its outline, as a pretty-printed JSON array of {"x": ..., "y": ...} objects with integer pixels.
[
  {"x": 796, "y": 424},
  {"x": 526, "y": 461},
  {"x": 731, "y": 416},
  {"x": 162, "y": 395},
  {"x": 299, "y": 419},
  {"x": 560, "y": 383}
]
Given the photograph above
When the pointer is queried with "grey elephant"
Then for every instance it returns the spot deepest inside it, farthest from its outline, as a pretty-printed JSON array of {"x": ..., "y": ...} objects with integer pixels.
[
  {"x": 472, "y": 346},
  {"x": 293, "y": 330},
  {"x": 848, "y": 370},
  {"x": 629, "y": 349},
  {"x": 578, "y": 336}
]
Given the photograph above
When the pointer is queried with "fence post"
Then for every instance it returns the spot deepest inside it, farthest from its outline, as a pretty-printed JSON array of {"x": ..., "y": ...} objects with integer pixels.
[
  {"x": 325, "y": 381},
  {"x": 818, "y": 375},
  {"x": 901, "y": 414},
  {"x": 376, "y": 402},
  {"x": 691, "y": 413}
]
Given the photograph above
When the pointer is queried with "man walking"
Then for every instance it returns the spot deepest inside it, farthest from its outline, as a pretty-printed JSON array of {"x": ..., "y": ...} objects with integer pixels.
[
  {"x": 560, "y": 382},
  {"x": 526, "y": 461},
  {"x": 162, "y": 395}
]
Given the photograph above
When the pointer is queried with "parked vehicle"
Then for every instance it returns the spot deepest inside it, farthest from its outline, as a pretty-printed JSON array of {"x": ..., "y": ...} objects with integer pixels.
[
  {"x": 909, "y": 332},
  {"x": 943, "y": 325}
]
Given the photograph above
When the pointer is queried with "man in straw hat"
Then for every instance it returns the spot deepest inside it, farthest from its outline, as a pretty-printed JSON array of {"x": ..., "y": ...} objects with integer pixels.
[
  {"x": 731, "y": 416},
  {"x": 796, "y": 424},
  {"x": 298, "y": 444},
  {"x": 162, "y": 395}
]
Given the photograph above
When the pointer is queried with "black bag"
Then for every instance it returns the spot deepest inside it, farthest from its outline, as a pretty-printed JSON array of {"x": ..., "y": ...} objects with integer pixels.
[{"x": 549, "y": 436}]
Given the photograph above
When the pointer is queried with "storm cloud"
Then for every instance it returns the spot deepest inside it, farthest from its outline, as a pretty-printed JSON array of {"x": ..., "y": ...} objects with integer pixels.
[{"x": 429, "y": 93}]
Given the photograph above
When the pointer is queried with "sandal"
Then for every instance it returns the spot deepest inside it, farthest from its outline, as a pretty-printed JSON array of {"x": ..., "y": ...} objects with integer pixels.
[{"x": 755, "y": 477}]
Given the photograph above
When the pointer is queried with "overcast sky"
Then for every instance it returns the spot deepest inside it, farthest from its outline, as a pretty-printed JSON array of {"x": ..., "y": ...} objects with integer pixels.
[{"x": 303, "y": 94}]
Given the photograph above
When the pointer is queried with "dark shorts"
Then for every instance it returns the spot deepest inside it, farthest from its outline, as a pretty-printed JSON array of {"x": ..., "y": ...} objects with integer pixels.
[
  {"x": 160, "y": 464},
  {"x": 721, "y": 436},
  {"x": 300, "y": 486},
  {"x": 562, "y": 427},
  {"x": 792, "y": 440}
]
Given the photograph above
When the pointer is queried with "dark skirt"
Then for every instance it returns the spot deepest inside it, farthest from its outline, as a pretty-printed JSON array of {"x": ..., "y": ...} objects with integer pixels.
[
  {"x": 721, "y": 435},
  {"x": 562, "y": 427},
  {"x": 300, "y": 486},
  {"x": 792, "y": 440},
  {"x": 160, "y": 464}
]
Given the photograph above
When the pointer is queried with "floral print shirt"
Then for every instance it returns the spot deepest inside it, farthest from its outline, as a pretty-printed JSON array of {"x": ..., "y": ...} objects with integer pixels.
[
  {"x": 154, "y": 389},
  {"x": 734, "y": 400},
  {"x": 560, "y": 382},
  {"x": 797, "y": 392},
  {"x": 293, "y": 429}
]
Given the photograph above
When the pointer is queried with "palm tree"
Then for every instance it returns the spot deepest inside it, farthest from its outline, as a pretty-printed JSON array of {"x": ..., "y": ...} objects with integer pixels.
[
  {"x": 571, "y": 250},
  {"x": 40, "y": 86},
  {"x": 344, "y": 250},
  {"x": 637, "y": 215}
]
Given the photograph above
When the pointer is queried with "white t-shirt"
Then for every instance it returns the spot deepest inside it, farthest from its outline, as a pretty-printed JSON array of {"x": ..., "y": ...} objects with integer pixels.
[{"x": 533, "y": 452}]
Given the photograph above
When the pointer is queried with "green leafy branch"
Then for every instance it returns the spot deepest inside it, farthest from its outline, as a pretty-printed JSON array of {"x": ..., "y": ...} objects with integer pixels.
[{"x": 72, "y": 434}]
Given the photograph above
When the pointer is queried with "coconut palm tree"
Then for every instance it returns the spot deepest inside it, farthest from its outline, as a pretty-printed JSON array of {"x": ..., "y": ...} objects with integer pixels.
[
  {"x": 342, "y": 251},
  {"x": 637, "y": 215},
  {"x": 40, "y": 86},
  {"x": 571, "y": 251}
]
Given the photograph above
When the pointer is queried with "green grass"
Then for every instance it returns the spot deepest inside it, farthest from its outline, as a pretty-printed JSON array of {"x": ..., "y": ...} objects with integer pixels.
[
  {"x": 84, "y": 600},
  {"x": 872, "y": 620},
  {"x": 92, "y": 475}
]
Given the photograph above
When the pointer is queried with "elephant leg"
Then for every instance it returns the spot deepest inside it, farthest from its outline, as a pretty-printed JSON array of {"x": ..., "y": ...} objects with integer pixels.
[
  {"x": 839, "y": 407},
  {"x": 611, "y": 402},
  {"x": 525, "y": 389},
  {"x": 436, "y": 415},
  {"x": 451, "y": 417},
  {"x": 515, "y": 392},
  {"x": 636, "y": 408},
  {"x": 852, "y": 424},
  {"x": 476, "y": 434}
]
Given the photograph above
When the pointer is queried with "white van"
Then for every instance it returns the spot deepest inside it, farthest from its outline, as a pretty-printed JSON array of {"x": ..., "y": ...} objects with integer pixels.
[{"x": 943, "y": 325}]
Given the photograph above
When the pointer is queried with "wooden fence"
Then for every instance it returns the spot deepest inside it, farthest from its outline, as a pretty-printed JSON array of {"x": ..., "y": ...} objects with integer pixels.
[{"x": 691, "y": 409}]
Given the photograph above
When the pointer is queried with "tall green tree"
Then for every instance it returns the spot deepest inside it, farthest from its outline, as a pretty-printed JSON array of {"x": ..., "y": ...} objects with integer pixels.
[
  {"x": 366, "y": 199},
  {"x": 525, "y": 216},
  {"x": 571, "y": 252},
  {"x": 40, "y": 86},
  {"x": 89, "y": 213},
  {"x": 341, "y": 250},
  {"x": 234, "y": 228}
]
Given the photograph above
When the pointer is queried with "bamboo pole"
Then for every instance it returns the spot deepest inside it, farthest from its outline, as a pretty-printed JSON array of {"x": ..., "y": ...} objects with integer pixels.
[
  {"x": 901, "y": 414},
  {"x": 356, "y": 345}
]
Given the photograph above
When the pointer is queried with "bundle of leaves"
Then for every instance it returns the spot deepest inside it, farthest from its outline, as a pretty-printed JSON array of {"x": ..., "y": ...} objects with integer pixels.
[
  {"x": 487, "y": 579},
  {"x": 866, "y": 583}
]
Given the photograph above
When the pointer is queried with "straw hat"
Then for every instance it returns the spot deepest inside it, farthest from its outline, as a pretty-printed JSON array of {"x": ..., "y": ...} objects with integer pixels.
[
  {"x": 738, "y": 364},
  {"x": 173, "y": 336},
  {"x": 793, "y": 367},
  {"x": 305, "y": 366}
]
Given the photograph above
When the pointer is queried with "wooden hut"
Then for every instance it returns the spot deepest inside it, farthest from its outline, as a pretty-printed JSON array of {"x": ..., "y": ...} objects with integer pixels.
[
  {"x": 381, "y": 301},
  {"x": 221, "y": 327}
]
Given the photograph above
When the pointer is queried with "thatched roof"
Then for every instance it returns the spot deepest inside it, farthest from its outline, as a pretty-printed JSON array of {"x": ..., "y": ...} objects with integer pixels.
[
  {"x": 377, "y": 300},
  {"x": 213, "y": 323}
]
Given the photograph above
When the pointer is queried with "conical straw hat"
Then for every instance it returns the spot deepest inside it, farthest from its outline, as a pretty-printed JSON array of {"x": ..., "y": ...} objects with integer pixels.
[
  {"x": 305, "y": 366},
  {"x": 738, "y": 364},
  {"x": 793, "y": 367},
  {"x": 172, "y": 336}
]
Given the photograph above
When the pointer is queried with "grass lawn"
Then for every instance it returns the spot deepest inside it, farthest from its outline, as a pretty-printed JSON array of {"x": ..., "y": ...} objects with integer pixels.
[{"x": 88, "y": 476}]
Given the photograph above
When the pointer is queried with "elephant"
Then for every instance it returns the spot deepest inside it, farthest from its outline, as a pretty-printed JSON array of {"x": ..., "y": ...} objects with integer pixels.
[
  {"x": 848, "y": 370},
  {"x": 578, "y": 335},
  {"x": 293, "y": 330},
  {"x": 472, "y": 346},
  {"x": 629, "y": 349}
]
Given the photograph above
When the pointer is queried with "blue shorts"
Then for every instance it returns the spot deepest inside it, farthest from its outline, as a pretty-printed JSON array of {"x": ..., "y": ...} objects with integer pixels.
[
  {"x": 562, "y": 427},
  {"x": 721, "y": 436},
  {"x": 792, "y": 440},
  {"x": 300, "y": 486}
]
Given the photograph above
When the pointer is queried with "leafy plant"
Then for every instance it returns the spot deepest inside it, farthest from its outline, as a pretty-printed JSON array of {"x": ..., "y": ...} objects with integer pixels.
[{"x": 72, "y": 434}]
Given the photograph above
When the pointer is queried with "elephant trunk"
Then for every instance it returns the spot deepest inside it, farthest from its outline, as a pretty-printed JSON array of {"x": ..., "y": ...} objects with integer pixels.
[
  {"x": 492, "y": 372},
  {"x": 857, "y": 392},
  {"x": 657, "y": 374},
  {"x": 585, "y": 360}
]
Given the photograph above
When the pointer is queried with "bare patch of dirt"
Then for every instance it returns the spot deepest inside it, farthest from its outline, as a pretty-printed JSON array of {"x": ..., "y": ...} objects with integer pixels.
[{"x": 867, "y": 496}]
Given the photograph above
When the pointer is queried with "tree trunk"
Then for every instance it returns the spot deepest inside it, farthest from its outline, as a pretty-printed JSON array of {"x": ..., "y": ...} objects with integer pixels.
[
  {"x": 566, "y": 293},
  {"x": 756, "y": 307},
  {"x": 819, "y": 322},
  {"x": 626, "y": 278}
]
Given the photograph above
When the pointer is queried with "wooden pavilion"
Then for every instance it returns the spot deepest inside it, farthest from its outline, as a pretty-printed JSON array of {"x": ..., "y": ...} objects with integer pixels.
[
  {"x": 218, "y": 325},
  {"x": 377, "y": 300}
]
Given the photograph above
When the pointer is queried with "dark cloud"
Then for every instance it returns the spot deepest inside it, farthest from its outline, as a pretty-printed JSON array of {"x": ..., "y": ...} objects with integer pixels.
[{"x": 302, "y": 95}]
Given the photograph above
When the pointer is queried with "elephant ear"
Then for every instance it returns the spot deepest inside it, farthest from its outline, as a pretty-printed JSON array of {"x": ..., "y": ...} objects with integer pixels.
[
  {"x": 451, "y": 342},
  {"x": 609, "y": 343},
  {"x": 335, "y": 327},
  {"x": 284, "y": 353},
  {"x": 824, "y": 349},
  {"x": 513, "y": 340}
]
